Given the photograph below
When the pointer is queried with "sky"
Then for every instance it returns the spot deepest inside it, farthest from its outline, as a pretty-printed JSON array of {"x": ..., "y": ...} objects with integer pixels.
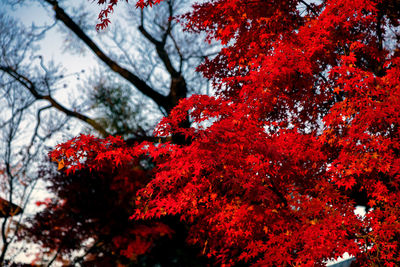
[
  {"x": 52, "y": 44},
  {"x": 78, "y": 68}
]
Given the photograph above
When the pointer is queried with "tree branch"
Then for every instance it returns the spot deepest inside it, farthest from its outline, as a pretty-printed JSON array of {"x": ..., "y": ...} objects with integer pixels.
[
  {"x": 28, "y": 84},
  {"x": 4, "y": 239},
  {"x": 95, "y": 246},
  {"x": 308, "y": 6},
  {"x": 160, "y": 45},
  {"x": 129, "y": 76}
]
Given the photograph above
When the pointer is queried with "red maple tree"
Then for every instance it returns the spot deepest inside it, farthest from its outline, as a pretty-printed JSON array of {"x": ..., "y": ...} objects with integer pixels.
[
  {"x": 304, "y": 126},
  {"x": 87, "y": 219}
]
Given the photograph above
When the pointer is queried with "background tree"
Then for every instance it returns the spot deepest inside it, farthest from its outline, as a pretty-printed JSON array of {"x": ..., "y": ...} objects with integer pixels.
[
  {"x": 303, "y": 127},
  {"x": 21, "y": 142}
]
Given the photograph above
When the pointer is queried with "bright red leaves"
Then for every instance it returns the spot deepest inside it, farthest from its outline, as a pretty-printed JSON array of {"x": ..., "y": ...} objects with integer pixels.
[{"x": 304, "y": 122}]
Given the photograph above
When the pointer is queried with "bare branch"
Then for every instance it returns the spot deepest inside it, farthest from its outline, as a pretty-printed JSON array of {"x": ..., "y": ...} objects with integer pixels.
[
  {"x": 129, "y": 76},
  {"x": 160, "y": 45},
  {"x": 309, "y": 7},
  {"x": 28, "y": 84}
]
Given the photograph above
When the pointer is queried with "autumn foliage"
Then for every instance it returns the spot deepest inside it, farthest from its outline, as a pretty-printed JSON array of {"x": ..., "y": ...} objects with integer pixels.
[
  {"x": 303, "y": 127},
  {"x": 90, "y": 211}
]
